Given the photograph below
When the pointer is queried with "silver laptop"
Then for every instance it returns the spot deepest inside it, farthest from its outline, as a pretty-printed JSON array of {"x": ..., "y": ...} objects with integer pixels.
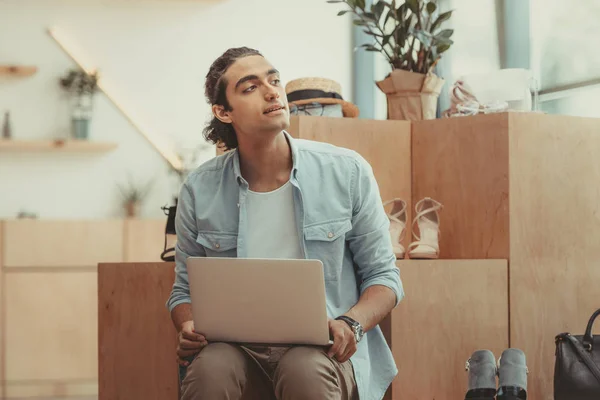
[{"x": 259, "y": 301}]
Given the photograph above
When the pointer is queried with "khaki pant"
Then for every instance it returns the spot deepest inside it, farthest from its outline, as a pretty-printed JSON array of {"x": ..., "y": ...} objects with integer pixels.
[{"x": 224, "y": 371}]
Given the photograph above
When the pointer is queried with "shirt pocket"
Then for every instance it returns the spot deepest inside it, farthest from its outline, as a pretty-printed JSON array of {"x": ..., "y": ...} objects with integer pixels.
[
  {"x": 218, "y": 244},
  {"x": 326, "y": 241}
]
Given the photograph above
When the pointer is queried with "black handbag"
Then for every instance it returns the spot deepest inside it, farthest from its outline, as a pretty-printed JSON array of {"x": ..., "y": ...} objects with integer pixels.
[{"x": 576, "y": 371}]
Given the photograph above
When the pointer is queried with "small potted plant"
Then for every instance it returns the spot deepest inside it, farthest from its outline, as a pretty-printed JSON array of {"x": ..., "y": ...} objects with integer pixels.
[
  {"x": 82, "y": 87},
  {"x": 410, "y": 35},
  {"x": 133, "y": 195}
]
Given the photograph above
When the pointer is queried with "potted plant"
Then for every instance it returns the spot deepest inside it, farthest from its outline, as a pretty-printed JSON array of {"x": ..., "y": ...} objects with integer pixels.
[
  {"x": 410, "y": 35},
  {"x": 133, "y": 195},
  {"x": 82, "y": 87}
]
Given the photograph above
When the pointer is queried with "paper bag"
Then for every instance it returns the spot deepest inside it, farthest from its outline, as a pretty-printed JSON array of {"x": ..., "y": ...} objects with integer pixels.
[{"x": 411, "y": 96}]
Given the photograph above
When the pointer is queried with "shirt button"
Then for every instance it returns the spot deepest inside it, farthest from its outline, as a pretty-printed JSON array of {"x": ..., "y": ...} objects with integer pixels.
[
  {"x": 217, "y": 245},
  {"x": 330, "y": 235}
]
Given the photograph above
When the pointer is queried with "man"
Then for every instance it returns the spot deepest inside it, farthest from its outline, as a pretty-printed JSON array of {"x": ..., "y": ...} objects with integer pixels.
[{"x": 277, "y": 197}]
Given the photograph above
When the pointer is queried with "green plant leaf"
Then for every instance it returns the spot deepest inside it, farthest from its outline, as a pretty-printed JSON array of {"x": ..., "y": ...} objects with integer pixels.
[
  {"x": 401, "y": 11},
  {"x": 360, "y": 4},
  {"x": 360, "y": 22},
  {"x": 378, "y": 9},
  {"x": 413, "y": 5},
  {"x": 424, "y": 37},
  {"x": 431, "y": 7},
  {"x": 370, "y": 15},
  {"x": 443, "y": 41},
  {"x": 386, "y": 39},
  {"x": 370, "y": 47},
  {"x": 442, "y": 48},
  {"x": 335, "y": 1},
  {"x": 343, "y": 12},
  {"x": 443, "y": 17},
  {"x": 388, "y": 15},
  {"x": 372, "y": 33},
  {"x": 351, "y": 3},
  {"x": 400, "y": 34},
  {"x": 446, "y": 33}
]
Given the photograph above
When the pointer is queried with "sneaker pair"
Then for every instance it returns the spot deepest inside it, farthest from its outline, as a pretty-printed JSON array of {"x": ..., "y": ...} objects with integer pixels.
[{"x": 511, "y": 370}]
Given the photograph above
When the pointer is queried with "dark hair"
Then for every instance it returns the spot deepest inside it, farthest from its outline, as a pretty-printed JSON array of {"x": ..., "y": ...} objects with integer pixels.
[{"x": 218, "y": 132}]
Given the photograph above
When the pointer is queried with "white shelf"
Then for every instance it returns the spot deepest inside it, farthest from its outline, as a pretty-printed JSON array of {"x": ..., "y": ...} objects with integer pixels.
[
  {"x": 17, "y": 70},
  {"x": 64, "y": 146}
]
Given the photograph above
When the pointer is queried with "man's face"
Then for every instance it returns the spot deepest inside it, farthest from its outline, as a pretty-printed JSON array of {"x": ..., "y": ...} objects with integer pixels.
[{"x": 257, "y": 99}]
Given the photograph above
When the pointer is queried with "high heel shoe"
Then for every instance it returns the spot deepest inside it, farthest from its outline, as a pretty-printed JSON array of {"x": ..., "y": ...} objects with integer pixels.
[
  {"x": 427, "y": 245},
  {"x": 397, "y": 219}
]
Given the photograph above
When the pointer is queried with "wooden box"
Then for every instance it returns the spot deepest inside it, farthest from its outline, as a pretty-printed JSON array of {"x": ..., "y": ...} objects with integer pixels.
[
  {"x": 452, "y": 308},
  {"x": 137, "y": 340},
  {"x": 522, "y": 187},
  {"x": 49, "y": 300}
]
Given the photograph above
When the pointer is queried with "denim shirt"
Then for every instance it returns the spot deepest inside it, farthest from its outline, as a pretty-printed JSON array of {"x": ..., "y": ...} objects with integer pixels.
[{"x": 341, "y": 221}]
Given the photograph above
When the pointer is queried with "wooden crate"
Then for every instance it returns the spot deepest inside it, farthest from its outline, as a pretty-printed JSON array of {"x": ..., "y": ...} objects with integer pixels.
[
  {"x": 452, "y": 308},
  {"x": 521, "y": 186},
  {"x": 136, "y": 338},
  {"x": 48, "y": 305}
]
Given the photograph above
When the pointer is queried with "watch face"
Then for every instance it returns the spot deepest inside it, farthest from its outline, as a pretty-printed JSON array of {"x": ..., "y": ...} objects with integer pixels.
[{"x": 358, "y": 333}]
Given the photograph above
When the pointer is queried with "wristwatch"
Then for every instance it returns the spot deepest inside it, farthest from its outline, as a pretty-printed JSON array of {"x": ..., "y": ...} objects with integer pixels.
[{"x": 354, "y": 325}]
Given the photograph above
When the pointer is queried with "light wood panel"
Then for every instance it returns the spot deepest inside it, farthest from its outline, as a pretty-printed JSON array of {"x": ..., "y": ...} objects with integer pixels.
[
  {"x": 45, "y": 243},
  {"x": 144, "y": 240},
  {"x": 554, "y": 236},
  {"x": 137, "y": 340},
  {"x": 452, "y": 308},
  {"x": 63, "y": 146},
  {"x": 51, "y": 326},
  {"x": 58, "y": 390},
  {"x": 463, "y": 163},
  {"x": 2, "y": 317}
]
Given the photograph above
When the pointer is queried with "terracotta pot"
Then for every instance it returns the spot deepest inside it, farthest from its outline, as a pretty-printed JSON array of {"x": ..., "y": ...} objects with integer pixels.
[
  {"x": 131, "y": 209},
  {"x": 411, "y": 96}
]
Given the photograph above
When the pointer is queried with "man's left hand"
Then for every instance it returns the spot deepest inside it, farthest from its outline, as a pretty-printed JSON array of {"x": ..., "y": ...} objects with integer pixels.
[{"x": 344, "y": 342}]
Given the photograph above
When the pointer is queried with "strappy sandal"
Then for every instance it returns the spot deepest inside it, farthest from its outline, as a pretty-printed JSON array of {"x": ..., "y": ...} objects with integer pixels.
[
  {"x": 397, "y": 219},
  {"x": 427, "y": 219}
]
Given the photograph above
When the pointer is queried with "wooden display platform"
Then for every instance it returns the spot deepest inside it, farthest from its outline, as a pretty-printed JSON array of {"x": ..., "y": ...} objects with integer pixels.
[
  {"x": 137, "y": 340},
  {"x": 521, "y": 186},
  {"x": 49, "y": 300},
  {"x": 452, "y": 308}
]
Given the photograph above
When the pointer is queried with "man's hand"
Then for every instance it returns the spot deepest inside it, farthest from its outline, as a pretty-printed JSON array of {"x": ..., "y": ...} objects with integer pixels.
[
  {"x": 344, "y": 342},
  {"x": 190, "y": 343}
]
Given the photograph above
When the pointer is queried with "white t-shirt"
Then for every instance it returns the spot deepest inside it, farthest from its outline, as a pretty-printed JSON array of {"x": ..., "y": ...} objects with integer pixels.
[{"x": 272, "y": 229}]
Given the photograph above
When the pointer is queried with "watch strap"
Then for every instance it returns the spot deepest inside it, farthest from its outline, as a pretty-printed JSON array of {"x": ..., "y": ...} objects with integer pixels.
[{"x": 348, "y": 320}]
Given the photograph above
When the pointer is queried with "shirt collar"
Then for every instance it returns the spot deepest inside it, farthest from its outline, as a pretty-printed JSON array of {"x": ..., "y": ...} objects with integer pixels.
[{"x": 293, "y": 146}]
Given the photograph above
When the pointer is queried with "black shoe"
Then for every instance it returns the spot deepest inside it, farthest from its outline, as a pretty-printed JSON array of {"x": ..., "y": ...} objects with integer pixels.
[
  {"x": 482, "y": 376},
  {"x": 512, "y": 370}
]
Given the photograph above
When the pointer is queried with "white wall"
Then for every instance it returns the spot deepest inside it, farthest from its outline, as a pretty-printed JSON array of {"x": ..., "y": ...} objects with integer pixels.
[{"x": 156, "y": 53}]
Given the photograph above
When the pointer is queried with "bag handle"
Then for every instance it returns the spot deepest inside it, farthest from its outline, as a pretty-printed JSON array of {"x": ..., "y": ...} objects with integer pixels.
[
  {"x": 585, "y": 356},
  {"x": 588, "y": 339}
]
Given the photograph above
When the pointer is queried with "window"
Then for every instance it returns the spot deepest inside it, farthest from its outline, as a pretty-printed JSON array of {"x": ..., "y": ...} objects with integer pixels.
[{"x": 564, "y": 42}]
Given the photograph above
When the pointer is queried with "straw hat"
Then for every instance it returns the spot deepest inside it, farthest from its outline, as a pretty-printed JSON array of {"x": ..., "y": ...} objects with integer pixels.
[{"x": 318, "y": 90}]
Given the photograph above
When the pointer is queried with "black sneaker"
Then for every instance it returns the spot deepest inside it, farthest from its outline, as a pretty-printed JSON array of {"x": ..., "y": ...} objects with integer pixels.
[
  {"x": 482, "y": 376},
  {"x": 512, "y": 372}
]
